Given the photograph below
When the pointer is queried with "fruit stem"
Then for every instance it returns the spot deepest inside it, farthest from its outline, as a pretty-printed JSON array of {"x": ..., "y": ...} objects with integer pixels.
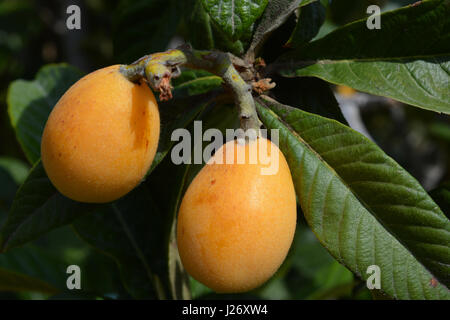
[{"x": 159, "y": 68}]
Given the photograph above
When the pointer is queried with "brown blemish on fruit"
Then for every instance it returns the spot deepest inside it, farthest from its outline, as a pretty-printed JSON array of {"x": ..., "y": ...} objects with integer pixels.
[{"x": 213, "y": 181}]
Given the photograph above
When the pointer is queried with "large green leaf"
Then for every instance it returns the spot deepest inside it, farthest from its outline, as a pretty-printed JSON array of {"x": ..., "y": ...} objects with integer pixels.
[
  {"x": 129, "y": 231},
  {"x": 276, "y": 13},
  {"x": 235, "y": 17},
  {"x": 203, "y": 33},
  {"x": 38, "y": 208},
  {"x": 198, "y": 26},
  {"x": 195, "y": 82},
  {"x": 310, "y": 19},
  {"x": 16, "y": 168},
  {"x": 407, "y": 59},
  {"x": 345, "y": 11},
  {"x": 364, "y": 208},
  {"x": 138, "y": 233},
  {"x": 47, "y": 259},
  {"x": 224, "y": 43},
  {"x": 418, "y": 82},
  {"x": 32, "y": 268},
  {"x": 143, "y": 27},
  {"x": 14, "y": 281},
  {"x": 30, "y": 103},
  {"x": 99, "y": 273},
  {"x": 12, "y": 173},
  {"x": 427, "y": 34},
  {"x": 166, "y": 185}
]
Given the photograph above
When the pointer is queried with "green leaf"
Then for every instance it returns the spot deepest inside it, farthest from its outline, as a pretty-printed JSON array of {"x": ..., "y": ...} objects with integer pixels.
[
  {"x": 235, "y": 17},
  {"x": 166, "y": 185},
  {"x": 203, "y": 34},
  {"x": 198, "y": 27},
  {"x": 99, "y": 273},
  {"x": 12, "y": 173},
  {"x": 224, "y": 43},
  {"x": 16, "y": 282},
  {"x": 412, "y": 31},
  {"x": 311, "y": 18},
  {"x": 407, "y": 59},
  {"x": 143, "y": 27},
  {"x": 194, "y": 83},
  {"x": 16, "y": 168},
  {"x": 345, "y": 11},
  {"x": 38, "y": 208},
  {"x": 130, "y": 231},
  {"x": 419, "y": 82},
  {"x": 30, "y": 103},
  {"x": 363, "y": 207},
  {"x": 276, "y": 13},
  {"x": 32, "y": 268}
]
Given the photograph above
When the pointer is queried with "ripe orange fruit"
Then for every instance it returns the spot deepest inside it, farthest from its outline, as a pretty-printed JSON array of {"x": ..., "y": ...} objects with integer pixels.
[
  {"x": 101, "y": 137},
  {"x": 235, "y": 224}
]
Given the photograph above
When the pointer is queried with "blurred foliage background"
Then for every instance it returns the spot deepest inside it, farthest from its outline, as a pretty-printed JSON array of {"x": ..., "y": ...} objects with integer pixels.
[{"x": 33, "y": 33}]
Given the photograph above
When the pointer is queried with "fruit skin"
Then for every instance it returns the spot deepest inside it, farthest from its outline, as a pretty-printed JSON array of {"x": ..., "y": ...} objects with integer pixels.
[
  {"x": 235, "y": 226},
  {"x": 101, "y": 137}
]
